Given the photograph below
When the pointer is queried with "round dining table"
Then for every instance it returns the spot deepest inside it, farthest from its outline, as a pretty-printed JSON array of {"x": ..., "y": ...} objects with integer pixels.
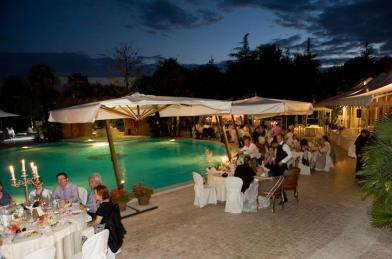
[{"x": 66, "y": 238}]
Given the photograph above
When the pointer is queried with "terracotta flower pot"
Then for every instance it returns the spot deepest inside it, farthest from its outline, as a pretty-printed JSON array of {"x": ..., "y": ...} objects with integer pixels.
[{"x": 143, "y": 200}]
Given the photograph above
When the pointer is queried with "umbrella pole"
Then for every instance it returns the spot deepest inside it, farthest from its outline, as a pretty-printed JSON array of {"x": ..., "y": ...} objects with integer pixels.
[
  {"x": 225, "y": 138},
  {"x": 113, "y": 154},
  {"x": 236, "y": 131},
  {"x": 219, "y": 129}
]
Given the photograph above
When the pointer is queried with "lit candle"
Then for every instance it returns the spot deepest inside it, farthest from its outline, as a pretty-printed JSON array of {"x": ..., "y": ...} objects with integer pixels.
[
  {"x": 32, "y": 169},
  {"x": 12, "y": 172},
  {"x": 23, "y": 164},
  {"x": 36, "y": 171}
]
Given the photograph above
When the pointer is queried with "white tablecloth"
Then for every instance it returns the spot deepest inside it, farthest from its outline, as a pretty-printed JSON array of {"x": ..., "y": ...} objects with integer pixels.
[
  {"x": 67, "y": 240},
  {"x": 217, "y": 181}
]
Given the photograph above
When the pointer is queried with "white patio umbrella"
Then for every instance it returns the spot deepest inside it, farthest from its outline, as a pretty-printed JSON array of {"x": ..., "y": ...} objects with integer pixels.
[
  {"x": 4, "y": 114},
  {"x": 138, "y": 106},
  {"x": 266, "y": 107}
]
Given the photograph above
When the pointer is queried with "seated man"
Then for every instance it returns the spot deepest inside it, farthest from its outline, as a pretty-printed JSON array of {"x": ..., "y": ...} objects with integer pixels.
[
  {"x": 66, "y": 191},
  {"x": 92, "y": 203},
  {"x": 249, "y": 149},
  {"x": 246, "y": 173}
]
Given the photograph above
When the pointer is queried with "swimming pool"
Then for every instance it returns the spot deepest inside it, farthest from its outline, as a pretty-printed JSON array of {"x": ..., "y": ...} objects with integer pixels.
[{"x": 157, "y": 162}]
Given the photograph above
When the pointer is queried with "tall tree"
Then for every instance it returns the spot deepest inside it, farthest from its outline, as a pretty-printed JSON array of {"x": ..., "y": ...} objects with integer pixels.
[
  {"x": 77, "y": 90},
  {"x": 243, "y": 51},
  {"x": 126, "y": 59},
  {"x": 43, "y": 84}
]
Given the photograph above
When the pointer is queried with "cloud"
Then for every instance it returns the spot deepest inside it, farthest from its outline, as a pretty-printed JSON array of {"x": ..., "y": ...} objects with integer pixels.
[
  {"x": 164, "y": 15},
  {"x": 288, "y": 42},
  {"x": 336, "y": 27}
]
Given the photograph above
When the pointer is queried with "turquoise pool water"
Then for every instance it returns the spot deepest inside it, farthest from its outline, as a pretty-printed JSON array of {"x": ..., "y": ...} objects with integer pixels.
[{"x": 156, "y": 162}]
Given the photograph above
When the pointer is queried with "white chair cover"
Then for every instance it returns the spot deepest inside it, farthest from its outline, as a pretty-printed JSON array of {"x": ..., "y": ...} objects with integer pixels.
[
  {"x": 44, "y": 253},
  {"x": 95, "y": 247},
  {"x": 204, "y": 194},
  {"x": 250, "y": 197},
  {"x": 234, "y": 196},
  {"x": 82, "y": 195},
  {"x": 111, "y": 255},
  {"x": 305, "y": 169}
]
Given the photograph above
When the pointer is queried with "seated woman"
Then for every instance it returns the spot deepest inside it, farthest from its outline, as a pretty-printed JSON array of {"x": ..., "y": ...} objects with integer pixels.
[
  {"x": 40, "y": 195},
  {"x": 246, "y": 173},
  {"x": 108, "y": 217},
  {"x": 105, "y": 208},
  {"x": 269, "y": 161},
  {"x": 5, "y": 198}
]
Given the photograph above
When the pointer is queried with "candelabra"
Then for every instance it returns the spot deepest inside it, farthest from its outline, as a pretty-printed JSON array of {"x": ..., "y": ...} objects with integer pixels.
[{"x": 25, "y": 180}]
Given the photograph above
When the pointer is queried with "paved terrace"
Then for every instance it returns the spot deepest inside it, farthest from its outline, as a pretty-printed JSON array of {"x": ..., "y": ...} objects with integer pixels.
[{"x": 330, "y": 221}]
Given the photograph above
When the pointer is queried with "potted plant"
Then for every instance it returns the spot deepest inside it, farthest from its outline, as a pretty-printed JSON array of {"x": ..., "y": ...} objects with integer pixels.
[
  {"x": 143, "y": 194},
  {"x": 121, "y": 197},
  {"x": 376, "y": 177}
]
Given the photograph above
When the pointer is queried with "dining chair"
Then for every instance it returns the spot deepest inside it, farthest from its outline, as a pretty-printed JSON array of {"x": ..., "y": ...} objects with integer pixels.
[
  {"x": 272, "y": 188},
  {"x": 95, "y": 247},
  {"x": 82, "y": 195},
  {"x": 204, "y": 194},
  {"x": 290, "y": 182},
  {"x": 47, "y": 253},
  {"x": 234, "y": 196}
]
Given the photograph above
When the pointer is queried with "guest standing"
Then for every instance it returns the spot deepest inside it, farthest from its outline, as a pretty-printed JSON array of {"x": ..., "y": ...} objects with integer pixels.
[
  {"x": 5, "y": 198},
  {"x": 283, "y": 156},
  {"x": 66, "y": 191},
  {"x": 324, "y": 160},
  {"x": 360, "y": 143}
]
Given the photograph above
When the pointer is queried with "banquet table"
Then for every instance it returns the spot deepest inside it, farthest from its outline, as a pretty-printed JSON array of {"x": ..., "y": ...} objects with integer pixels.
[
  {"x": 66, "y": 238},
  {"x": 218, "y": 182}
]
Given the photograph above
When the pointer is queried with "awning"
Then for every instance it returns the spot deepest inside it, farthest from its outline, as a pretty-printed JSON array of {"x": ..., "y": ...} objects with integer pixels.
[{"x": 267, "y": 107}]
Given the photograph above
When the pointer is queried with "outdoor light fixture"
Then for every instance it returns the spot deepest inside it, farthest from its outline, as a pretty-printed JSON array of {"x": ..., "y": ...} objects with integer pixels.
[
  {"x": 89, "y": 140},
  {"x": 172, "y": 140},
  {"x": 25, "y": 147}
]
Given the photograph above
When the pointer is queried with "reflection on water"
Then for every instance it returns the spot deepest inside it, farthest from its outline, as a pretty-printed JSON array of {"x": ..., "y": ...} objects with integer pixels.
[
  {"x": 104, "y": 156},
  {"x": 156, "y": 162}
]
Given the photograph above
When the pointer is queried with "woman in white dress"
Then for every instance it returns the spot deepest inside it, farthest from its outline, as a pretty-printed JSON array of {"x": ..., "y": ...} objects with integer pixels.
[{"x": 324, "y": 160}]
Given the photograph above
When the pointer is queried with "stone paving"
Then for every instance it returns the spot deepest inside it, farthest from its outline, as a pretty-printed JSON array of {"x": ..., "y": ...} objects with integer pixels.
[{"x": 330, "y": 221}]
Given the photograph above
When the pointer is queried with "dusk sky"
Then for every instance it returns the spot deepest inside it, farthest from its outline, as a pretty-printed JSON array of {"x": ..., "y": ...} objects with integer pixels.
[{"x": 195, "y": 30}]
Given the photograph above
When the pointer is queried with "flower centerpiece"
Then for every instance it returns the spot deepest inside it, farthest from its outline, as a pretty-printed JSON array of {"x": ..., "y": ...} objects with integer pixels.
[
  {"x": 121, "y": 197},
  {"x": 143, "y": 194}
]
